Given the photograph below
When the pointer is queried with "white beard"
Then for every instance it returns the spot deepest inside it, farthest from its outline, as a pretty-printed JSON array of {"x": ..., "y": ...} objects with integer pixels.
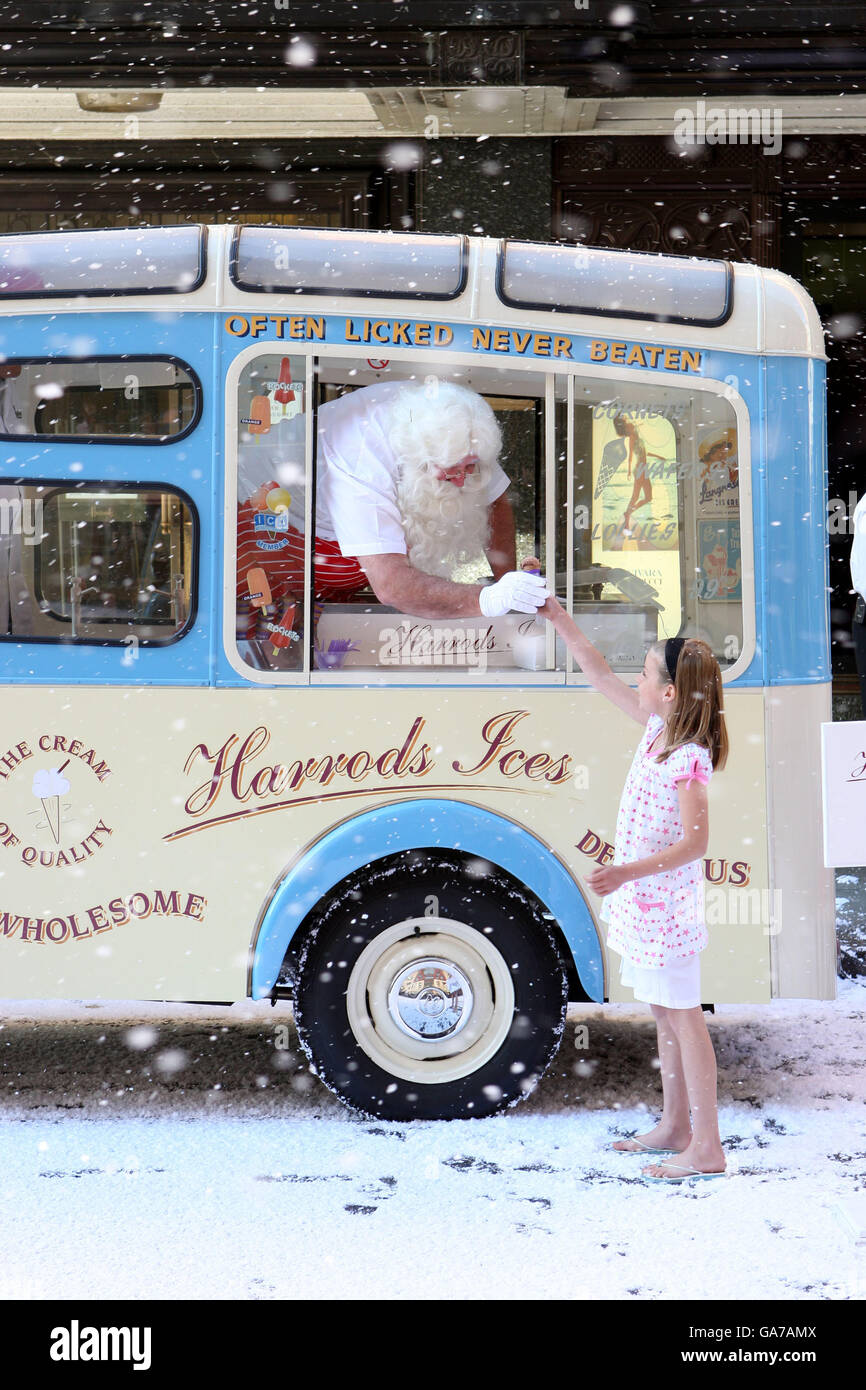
[{"x": 444, "y": 525}]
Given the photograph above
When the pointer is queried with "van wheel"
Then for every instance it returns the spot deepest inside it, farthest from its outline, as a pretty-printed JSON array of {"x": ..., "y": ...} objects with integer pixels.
[{"x": 431, "y": 987}]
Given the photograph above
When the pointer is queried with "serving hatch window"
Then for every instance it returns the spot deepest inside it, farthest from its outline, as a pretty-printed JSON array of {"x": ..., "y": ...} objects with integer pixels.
[
  {"x": 627, "y": 284},
  {"x": 374, "y": 496},
  {"x": 135, "y": 399},
  {"x": 628, "y": 495},
  {"x": 122, "y": 260},
  {"x": 283, "y": 260}
]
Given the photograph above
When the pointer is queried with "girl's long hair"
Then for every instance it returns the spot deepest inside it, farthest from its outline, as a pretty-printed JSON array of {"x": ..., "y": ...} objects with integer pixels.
[{"x": 698, "y": 714}]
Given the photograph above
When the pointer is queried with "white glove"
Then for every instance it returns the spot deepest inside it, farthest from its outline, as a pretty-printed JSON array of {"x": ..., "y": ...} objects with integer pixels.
[{"x": 516, "y": 591}]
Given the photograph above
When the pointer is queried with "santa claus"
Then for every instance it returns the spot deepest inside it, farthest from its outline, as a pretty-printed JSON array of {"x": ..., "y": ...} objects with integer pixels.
[{"x": 408, "y": 487}]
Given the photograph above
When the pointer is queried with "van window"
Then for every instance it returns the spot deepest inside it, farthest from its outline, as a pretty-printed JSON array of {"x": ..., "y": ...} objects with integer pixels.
[
  {"x": 656, "y": 519},
  {"x": 270, "y": 436},
  {"x": 95, "y": 562},
  {"x": 116, "y": 260},
  {"x": 629, "y": 497},
  {"x": 386, "y": 264},
  {"x": 573, "y": 279},
  {"x": 103, "y": 400},
  {"x": 354, "y": 630}
]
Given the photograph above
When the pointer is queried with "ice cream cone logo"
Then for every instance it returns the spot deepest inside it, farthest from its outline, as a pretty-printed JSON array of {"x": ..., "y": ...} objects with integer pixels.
[{"x": 49, "y": 785}]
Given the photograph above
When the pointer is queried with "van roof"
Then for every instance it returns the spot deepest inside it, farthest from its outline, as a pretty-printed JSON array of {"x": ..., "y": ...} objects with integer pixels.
[{"x": 688, "y": 301}]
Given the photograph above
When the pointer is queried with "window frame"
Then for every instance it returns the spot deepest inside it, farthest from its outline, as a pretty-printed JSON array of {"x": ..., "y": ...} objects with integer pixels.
[
  {"x": 264, "y": 348},
  {"x": 591, "y": 311},
  {"x": 456, "y": 676},
  {"x": 333, "y": 291},
  {"x": 149, "y": 441},
  {"x": 460, "y": 677},
  {"x": 85, "y": 485},
  {"x": 95, "y": 293},
  {"x": 688, "y": 389}
]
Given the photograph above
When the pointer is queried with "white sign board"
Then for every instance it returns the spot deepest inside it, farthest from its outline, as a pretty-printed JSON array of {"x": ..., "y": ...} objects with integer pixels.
[
  {"x": 843, "y": 760},
  {"x": 515, "y": 640}
]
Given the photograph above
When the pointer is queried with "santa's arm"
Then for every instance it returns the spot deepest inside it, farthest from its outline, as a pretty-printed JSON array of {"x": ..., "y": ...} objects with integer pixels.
[
  {"x": 502, "y": 551},
  {"x": 399, "y": 585}
]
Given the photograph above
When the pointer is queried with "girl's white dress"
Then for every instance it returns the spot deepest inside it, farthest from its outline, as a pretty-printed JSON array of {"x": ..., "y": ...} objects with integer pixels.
[{"x": 657, "y": 923}]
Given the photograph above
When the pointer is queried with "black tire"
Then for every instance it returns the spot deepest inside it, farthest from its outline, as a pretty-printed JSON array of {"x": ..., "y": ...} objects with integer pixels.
[{"x": 496, "y": 915}]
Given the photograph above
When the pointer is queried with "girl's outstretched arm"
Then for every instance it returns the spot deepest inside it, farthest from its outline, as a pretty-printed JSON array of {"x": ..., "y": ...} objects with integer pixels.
[{"x": 592, "y": 663}]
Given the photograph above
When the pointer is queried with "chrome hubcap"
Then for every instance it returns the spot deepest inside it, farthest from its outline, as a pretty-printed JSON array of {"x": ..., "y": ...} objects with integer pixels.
[{"x": 431, "y": 998}]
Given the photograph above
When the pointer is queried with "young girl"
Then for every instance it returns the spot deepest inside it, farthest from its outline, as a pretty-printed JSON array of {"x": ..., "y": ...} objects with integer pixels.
[{"x": 654, "y": 887}]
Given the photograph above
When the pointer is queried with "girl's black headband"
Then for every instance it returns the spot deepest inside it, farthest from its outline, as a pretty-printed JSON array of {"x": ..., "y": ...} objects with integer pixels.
[{"x": 673, "y": 647}]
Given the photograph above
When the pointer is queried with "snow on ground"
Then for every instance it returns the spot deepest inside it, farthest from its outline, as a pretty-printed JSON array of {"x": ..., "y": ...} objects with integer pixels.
[{"x": 172, "y": 1151}]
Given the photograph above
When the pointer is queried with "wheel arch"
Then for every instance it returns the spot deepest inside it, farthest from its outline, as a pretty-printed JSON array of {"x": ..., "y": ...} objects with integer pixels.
[{"x": 422, "y": 823}]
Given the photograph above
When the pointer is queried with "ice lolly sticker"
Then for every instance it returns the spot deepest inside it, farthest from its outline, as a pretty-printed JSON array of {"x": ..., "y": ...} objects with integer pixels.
[
  {"x": 287, "y": 393},
  {"x": 259, "y": 588},
  {"x": 260, "y": 416},
  {"x": 49, "y": 785},
  {"x": 282, "y": 633},
  {"x": 284, "y": 392}
]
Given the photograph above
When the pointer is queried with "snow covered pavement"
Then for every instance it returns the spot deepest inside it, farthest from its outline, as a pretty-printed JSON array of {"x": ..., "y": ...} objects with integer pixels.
[{"x": 157, "y": 1151}]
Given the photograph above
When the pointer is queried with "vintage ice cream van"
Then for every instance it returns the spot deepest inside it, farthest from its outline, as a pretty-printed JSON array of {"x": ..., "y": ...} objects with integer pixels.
[{"x": 227, "y": 772}]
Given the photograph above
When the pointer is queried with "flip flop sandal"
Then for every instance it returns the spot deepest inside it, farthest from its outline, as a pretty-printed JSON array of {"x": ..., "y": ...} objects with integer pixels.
[
  {"x": 644, "y": 1148},
  {"x": 689, "y": 1175}
]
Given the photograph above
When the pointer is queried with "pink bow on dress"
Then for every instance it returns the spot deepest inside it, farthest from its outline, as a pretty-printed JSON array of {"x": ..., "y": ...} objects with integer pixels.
[{"x": 693, "y": 775}]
